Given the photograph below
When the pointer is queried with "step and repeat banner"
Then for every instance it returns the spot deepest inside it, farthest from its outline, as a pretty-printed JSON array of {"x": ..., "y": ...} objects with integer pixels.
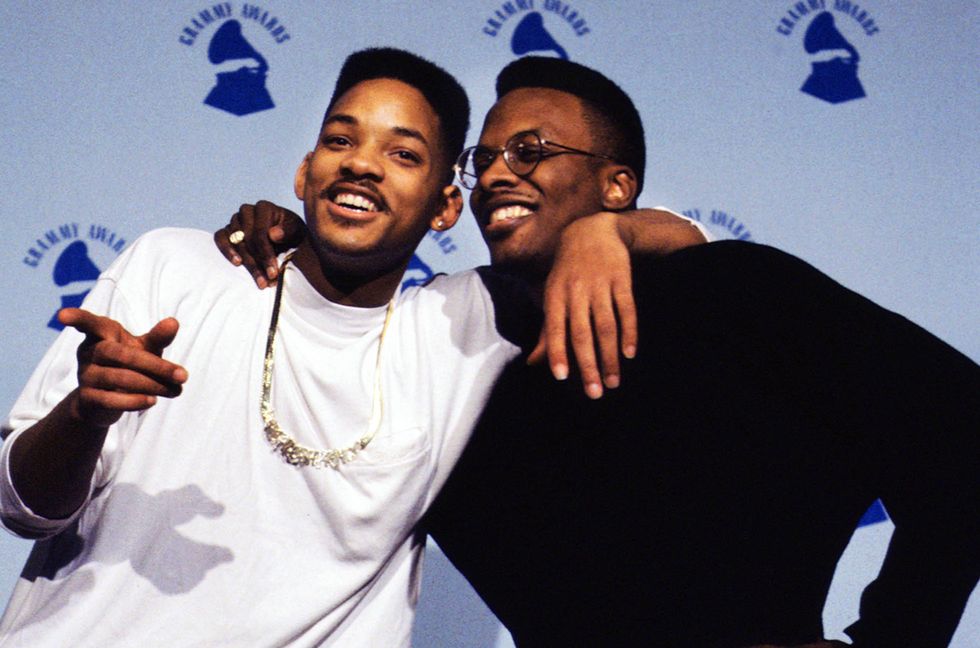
[{"x": 844, "y": 132}]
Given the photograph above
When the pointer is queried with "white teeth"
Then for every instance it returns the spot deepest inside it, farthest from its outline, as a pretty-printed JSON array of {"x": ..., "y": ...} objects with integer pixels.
[
  {"x": 509, "y": 213},
  {"x": 355, "y": 201}
]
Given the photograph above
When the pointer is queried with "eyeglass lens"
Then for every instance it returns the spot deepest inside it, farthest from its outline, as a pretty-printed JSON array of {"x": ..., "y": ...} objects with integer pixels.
[{"x": 522, "y": 153}]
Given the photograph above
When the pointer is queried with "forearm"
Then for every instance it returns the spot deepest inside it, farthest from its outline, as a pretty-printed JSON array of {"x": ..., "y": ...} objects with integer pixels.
[
  {"x": 920, "y": 594},
  {"x": 52, "y": 462},
  {"x": 655, "y": 231}
]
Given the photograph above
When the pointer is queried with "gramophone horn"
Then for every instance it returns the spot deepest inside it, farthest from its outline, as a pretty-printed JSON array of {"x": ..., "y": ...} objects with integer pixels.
[
  {"x": 822, "y": 35},
  {"x": 74, "y": 265},
  {"x": 531, "y": 36},
  {"x": 228, "y": 43}
]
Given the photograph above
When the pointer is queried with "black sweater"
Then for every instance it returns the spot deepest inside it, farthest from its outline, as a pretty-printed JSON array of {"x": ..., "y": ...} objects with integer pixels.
[{"x": 707, "y": 501}]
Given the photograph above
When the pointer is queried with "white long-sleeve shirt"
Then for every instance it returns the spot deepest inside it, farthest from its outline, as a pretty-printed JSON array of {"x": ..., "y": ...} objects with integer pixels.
[{"x": 195, "y": 532}]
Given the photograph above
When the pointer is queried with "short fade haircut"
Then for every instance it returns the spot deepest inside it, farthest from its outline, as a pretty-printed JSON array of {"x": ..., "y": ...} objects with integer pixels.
[
  {"x": 441, "y": 89},
  {"x": 609, "y": 110}
]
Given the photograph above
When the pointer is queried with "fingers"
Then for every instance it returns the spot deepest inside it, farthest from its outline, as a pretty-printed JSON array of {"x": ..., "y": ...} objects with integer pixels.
[
  {"x": 127, "y": 381},
  {"x": 555, "y": 330},
  {"x": 583, "y": 344},
  {"x": 264, "y": 216},
  {"x": 240, "y": 253},
  {"x": 595, "y": 317},
  {"x": 606, "y": 338},
  {"x": 224, "y": 244},
  {"x": 267, "y": 229},
  {"x": 116, "y": 377},
  {"x": 102, "y": 408},
  {"x": 118, "y": 372},
  {"x": 134, "y": 359},
  {"x": 626, "y": 312},
  {"x": 109, "y": 345},
  {"x": 246, "y": 250}
]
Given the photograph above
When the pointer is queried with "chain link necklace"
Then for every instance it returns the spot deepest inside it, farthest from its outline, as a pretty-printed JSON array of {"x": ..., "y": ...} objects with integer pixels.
[{"x": 285, "y": 445}]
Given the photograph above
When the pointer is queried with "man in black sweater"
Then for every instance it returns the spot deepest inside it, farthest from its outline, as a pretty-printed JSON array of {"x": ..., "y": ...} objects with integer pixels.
[{"x": 707, "y": 501}]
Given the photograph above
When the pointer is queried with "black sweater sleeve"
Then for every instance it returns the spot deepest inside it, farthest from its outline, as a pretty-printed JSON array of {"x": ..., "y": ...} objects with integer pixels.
[{"x": 914, "y": 400}]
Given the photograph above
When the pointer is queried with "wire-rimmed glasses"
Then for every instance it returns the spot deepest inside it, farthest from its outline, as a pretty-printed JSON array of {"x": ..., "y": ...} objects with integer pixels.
[{"x": 522, "y": 154}]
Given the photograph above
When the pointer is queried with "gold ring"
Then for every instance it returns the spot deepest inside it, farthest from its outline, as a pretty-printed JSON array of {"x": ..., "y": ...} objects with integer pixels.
[{"x": 236, "y": 237}]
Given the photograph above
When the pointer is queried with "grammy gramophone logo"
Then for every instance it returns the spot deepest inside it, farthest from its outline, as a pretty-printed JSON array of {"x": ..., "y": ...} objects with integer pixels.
[
  {"x": 535, "y": 26},
  {"x": 72, "y": 255},
  {"x": 240, "y": 69},
  {"x": 241, "y": 91},
  {"x": 835, "y": 79},
  {"x": 834, "y": 59}
]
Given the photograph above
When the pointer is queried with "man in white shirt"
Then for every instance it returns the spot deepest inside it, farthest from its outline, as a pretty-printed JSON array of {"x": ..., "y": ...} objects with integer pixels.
[{"x": 163, "y": 516}]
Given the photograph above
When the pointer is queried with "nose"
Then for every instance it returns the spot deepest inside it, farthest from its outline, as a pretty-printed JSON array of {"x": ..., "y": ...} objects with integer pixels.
[
  {"x": 498, "y": 174},
  {"x": 361, "y": 162}
]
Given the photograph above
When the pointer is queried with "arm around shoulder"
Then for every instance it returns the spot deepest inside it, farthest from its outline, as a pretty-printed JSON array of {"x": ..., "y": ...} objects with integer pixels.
[{"x": 657, "y": 231}]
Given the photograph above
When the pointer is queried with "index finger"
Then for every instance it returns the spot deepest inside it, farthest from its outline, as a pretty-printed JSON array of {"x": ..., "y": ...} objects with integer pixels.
[
  {"x": 92, "y": 325},
  {"x": 554, "y": 331}
]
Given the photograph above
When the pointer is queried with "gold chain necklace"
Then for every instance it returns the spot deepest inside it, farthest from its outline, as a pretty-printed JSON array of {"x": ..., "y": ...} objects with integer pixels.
[{"x": 285, "y": 445}]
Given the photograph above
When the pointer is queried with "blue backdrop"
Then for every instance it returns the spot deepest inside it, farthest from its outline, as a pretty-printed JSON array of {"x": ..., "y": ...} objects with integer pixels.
[{"x": 843, "y": 132}]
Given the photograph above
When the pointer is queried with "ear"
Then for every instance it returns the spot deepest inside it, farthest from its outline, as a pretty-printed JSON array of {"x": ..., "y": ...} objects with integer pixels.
[
  {"x": 618, "y": 187},
  {"x": 299, "y": 182},
  {"x": 451, "y": 205}
]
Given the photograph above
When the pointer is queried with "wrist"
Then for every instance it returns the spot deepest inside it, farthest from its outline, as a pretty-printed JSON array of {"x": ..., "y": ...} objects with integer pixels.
[
  {"x": 624, "y": 229},
  {"x": 81, "y": 420}
]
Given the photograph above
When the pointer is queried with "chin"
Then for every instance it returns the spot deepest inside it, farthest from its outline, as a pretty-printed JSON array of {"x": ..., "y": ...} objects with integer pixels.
[{"x": 345, "y": 247}]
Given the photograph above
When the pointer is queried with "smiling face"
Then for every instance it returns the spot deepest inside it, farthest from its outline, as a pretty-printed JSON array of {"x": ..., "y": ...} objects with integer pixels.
[
  {"x": 375, "y": 180},
  {"x": 522, "y": 218}
]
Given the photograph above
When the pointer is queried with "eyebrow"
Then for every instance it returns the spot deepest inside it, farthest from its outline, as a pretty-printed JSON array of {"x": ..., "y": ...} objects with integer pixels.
[{"x": 402, "y": 131}]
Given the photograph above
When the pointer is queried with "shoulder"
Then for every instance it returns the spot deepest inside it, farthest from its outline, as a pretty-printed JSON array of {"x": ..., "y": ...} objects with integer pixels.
[
  {"x": 460, "y": 305},
  {"x": 460, "y": 288},
  {"x": 751, "y": 257},
  {"x": 170, "y": 266},
  {"x": 188, "y": 255},
  {"x": 172, "y": 243},
  {"x": 730, "y": 267},
  {"x": 459, "y": 297}
]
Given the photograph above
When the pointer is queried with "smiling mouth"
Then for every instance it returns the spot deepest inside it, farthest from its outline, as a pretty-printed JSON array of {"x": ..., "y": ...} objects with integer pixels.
[
  {"x": 355, "y": 202},
  {"x": 509, "y": 213}
]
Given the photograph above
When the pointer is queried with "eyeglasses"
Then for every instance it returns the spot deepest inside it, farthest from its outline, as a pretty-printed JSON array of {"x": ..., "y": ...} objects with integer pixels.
[{"x": 522, "y": 154}]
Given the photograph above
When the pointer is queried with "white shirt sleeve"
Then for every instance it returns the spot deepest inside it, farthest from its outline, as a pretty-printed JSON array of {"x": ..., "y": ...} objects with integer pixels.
[
  {"x": 53, "y": 379},
  {"x": 708, "y": 236}
]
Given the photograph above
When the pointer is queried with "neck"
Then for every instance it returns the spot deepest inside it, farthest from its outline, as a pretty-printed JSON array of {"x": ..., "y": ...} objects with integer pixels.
[
  {"x": 361, "y": 288},
  {"x": 535, "y": 288},
  {"x": 532, "y": 279}
]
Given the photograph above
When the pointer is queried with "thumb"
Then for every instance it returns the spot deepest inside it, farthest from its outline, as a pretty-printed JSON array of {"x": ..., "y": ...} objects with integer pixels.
[{"x": 160, "y": 336}]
